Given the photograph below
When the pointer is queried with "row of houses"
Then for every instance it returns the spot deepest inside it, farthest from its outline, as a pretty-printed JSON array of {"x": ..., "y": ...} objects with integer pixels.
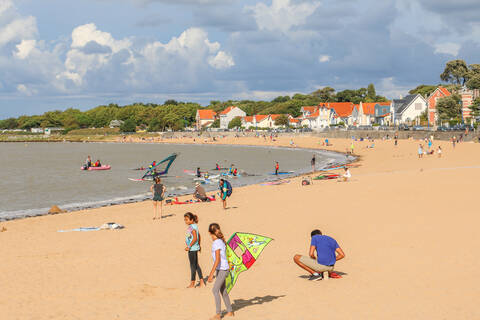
[{"x": 406, "y": 110}]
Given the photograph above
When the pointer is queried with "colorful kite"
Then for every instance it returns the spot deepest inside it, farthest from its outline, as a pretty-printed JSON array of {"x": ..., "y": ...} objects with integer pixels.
[{"x": 243, "y": 249}]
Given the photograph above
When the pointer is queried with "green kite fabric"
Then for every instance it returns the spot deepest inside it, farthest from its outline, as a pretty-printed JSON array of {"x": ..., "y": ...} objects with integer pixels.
[{"x": 251, "y": 246}]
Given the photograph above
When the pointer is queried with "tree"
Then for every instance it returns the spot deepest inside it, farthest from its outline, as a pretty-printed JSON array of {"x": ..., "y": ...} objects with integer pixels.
[
  {"x": 456, "y": 71},
  {"x": 326, "y": 94},
  {"x": 281, "y": 99},
  {"x": 424, "y": 90},
  {"x": 10, "y": 123},
  {"x": 155, "y": 125},
  {"x": 170, "y": 102},
  {"x": 282, "y": 120},
  {"x": 128, "y": 126},
  {"x": 475, "y": 107},
  {"x": 449, "y": 108},
  {"x": 473, "y": 82},
  {"x": 371, "y": 93},
  {"x": 235, "y": 123},
  {"x": 216, "y": 123}
]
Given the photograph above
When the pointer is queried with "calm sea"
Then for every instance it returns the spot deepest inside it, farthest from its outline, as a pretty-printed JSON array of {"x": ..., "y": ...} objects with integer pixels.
[{"x": 35, "y": 176}]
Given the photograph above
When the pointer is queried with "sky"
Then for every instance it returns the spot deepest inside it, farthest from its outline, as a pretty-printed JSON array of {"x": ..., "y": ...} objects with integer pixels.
[{"x": 57, "y": 54}]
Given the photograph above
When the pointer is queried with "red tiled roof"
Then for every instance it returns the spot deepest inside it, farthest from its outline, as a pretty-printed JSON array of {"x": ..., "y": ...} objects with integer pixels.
[
  {"x": 260, "y": 117},
  {"x": 315, "y": 114},
  {"x": 444, "y": 91},
  {"x": 369, "y": 107},
  {"x": 294, "y": 120},
  {"x": 248, "y": 119},
  {"x": 343, "y": 109},
  {"x": 206, "y": 114},
  {"x": 275, "y": 116},
  {"x": 384, "y": 104},
  {"x": 310, "y": 109},
  {"x": 385, "y": 115},
  {"x": 227, "y": 110}
]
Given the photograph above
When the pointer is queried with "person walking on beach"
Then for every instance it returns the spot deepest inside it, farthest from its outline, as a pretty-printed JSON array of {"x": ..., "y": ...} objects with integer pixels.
[
  {"x": 192, "y": 239},
  {"x": 439, "y": 151},
  {"x": 220, "y": 271},
  {"x": 158, "y": 190},
  {"x": 429, "y": 144},
  {"x": 454, "y": 140},
  {"x": 351, "y": 148},
  {"x": 420, "y": 151},
  {"x": 225, "y": 191},
  {"x": 312, "y": 162},
  {"x": 277, "y": 167},
  {"x": 328, "y": 252}
]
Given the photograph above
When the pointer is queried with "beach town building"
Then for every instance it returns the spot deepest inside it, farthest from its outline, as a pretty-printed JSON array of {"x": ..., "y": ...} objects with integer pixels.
[
  {"x": 294, "y": 122},
  {"x": 248, "y": 122},
  {"x": 204, "y": 118},
  {"x": 383, "y": 113},
  {"x": 318, "y": 117},
  {"x": 229, "y": 114},
  {"x": 408, "y": 109},
  {"x": 432, "y": 100},
  {"x": 468, "y": 96},
  {"x": 262, "y": 121},
  {"x": 346, "y": 112},
  {"x": 115, "y": 124},
  {"x": 370, "y": 112},
  {"x": 36, "y": 130}
]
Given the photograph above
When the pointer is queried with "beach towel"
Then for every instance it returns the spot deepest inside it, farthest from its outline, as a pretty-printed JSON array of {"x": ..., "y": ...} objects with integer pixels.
[{"x": 105, "y": 226}]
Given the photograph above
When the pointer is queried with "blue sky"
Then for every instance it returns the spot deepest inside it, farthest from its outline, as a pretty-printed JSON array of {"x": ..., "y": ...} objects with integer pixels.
[{"x": 56, "y": 54}]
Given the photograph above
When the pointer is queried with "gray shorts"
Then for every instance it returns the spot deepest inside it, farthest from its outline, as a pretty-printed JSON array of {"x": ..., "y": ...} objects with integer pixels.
[{"x": 314, "y": 265}]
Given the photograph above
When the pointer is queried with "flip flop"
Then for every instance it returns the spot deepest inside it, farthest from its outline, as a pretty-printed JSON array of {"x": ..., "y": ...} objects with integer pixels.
[{"x": 334, "y": 275}]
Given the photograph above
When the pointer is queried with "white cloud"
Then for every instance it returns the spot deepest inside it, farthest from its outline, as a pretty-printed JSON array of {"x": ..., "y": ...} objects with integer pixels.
[
  {"x": 23, "y": 89},
  {"x": 324, "y": 58},
  {"x": 450, "y": 48},
  {"x": 221, "y": 61},
  {"x": 5, "y": 5},
  {"x": 17, "y": 30},
  {"x": 282, "y": 15},
  {"x": 24, "y": 48},
  {"x": 390, "y": 89}
]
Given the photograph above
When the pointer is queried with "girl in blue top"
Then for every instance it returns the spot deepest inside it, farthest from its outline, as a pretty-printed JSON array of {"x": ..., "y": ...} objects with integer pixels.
[{"x": 192, "y": 239}]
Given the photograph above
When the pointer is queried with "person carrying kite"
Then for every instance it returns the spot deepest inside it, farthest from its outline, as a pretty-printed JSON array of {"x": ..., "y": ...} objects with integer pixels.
[{"x": 220, "y": 270}]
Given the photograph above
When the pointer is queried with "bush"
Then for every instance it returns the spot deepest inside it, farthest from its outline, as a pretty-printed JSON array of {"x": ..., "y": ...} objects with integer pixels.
[
  {"x": 128, "y": 126},
  {"x": 235, "y": 123}
]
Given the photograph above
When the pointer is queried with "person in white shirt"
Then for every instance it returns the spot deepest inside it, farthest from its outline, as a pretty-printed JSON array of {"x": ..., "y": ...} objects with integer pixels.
[
  {"x": 220, "y": 270},
  {"x": 347, "y": 175}
]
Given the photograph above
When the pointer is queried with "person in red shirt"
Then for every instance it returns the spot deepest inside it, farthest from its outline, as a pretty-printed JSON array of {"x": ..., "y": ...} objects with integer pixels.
[{"x": 276, "y": 168}]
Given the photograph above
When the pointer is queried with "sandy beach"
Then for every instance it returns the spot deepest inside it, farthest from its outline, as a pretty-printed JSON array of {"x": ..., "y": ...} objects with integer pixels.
[{"x": 406, "y": 225}]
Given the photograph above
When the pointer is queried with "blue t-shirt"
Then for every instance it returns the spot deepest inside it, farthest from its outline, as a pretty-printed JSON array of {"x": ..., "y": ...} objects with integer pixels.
[
  {"x": 189, "y": 237},
  {"x": 325, "y": 247}
]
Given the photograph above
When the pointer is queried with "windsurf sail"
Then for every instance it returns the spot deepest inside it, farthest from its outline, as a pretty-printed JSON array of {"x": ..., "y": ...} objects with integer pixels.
[
  {"x": 160, "y": 168},
  {"x": 243, "y": 249}
]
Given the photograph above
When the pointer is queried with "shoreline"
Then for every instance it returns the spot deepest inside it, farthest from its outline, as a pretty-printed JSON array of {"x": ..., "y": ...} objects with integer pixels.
[{"x": 95, "y": 204}]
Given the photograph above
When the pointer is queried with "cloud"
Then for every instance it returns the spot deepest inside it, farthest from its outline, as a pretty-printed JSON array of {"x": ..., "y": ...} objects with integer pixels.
[
  {"x": 449, "y": 48},
  {"x": 324, "y": 58},
  {"x": 282, "y": 15},
  {"x": 93, "y": 47},
  {"x": 24, "y": 48},
  {"x": 221, "y": 61}
]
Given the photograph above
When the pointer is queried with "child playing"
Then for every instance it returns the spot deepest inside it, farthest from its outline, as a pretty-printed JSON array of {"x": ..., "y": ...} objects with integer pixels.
[
  {"x": 192, "y": 239},
  {"x": 220, "y": 269},
  {"x": 439, "y": 151},
  {"x": 158, "y": 190}
]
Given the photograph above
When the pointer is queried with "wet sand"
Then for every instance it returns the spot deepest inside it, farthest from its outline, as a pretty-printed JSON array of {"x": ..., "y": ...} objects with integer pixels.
[{"x": 407, "y": 226}]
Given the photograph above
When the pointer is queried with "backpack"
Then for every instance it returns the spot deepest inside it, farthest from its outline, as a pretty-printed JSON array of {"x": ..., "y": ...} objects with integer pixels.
[{"x": 229, "y": 188}]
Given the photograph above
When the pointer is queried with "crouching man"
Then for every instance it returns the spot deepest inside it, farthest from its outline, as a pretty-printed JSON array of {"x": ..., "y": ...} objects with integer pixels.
[{"x": 327, "y": 251}]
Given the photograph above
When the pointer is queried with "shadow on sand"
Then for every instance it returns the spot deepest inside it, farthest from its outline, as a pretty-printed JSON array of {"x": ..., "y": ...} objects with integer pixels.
[
  {"x": 242, "y": 303},
  {"x": 337, "y": 272}
]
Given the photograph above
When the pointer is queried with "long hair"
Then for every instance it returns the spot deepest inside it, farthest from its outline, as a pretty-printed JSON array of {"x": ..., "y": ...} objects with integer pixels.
[
  {"x": 157, "y": 180},
  {"x": 191, "y": 216},
  {"x": 214, "y": 228}
]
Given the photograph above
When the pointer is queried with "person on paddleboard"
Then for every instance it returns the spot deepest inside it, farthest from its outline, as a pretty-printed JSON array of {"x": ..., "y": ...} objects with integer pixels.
[
  {"x": 199, "y": 173},
  {"x": 277, "y": 167}
]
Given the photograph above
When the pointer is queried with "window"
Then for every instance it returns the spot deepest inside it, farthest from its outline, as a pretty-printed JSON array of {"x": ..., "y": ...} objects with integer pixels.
[{"x": 418, "y": 106}]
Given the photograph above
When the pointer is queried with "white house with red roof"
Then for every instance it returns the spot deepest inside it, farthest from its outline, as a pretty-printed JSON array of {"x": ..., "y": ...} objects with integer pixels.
[
  {"x": 229, "y": 114},
  {"x": 318, "y": 117},
  {"x": 204, "y": 118},
  {"x": 432, "y": 100}
]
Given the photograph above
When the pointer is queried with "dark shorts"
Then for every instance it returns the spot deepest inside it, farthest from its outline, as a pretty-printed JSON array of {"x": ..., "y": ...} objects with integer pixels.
[{"x": 157, "y": 198}]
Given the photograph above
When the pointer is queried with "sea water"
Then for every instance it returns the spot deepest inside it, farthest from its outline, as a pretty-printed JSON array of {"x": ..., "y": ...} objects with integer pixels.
[{"x": 36, "y": 176}]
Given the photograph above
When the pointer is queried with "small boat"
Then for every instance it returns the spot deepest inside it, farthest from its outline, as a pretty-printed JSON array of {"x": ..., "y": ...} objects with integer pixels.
[{"x": 107, "y": 167}]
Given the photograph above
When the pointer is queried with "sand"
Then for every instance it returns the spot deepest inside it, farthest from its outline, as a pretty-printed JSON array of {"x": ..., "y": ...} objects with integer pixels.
[{"x": 408, "y": 227}]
